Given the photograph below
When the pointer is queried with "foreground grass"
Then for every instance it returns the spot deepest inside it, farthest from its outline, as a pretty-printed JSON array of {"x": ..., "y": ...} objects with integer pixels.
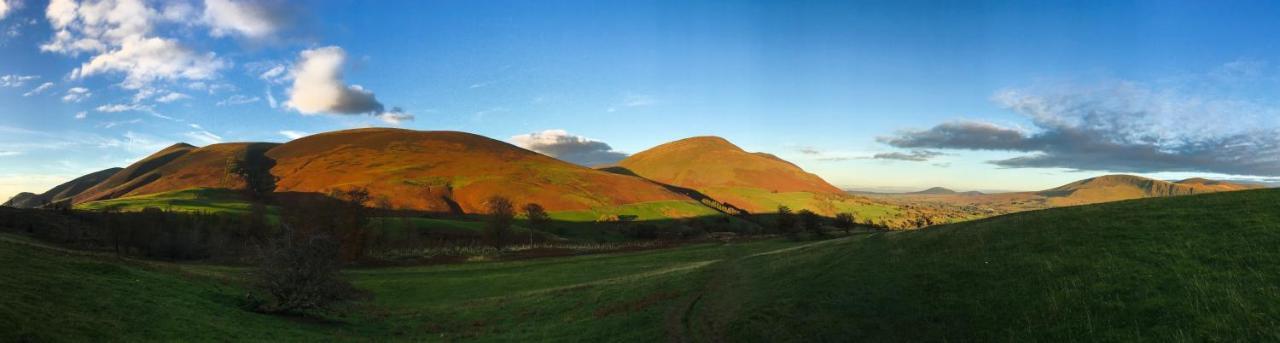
[
  {"x": 1198, "y": 268},
  {"x": 1171, "y": 269}
]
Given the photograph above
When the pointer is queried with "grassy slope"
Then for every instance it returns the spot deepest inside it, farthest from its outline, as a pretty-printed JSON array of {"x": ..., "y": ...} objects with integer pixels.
[
  {"x": 209, "y": 200},
  {"x": 1167, "y": 269},
  {"x": 654, "y": 210},
  {"x": 53, "y": 296},
  {"x": 1184, "y": 268},
  {"x": 820, "y": 203}
]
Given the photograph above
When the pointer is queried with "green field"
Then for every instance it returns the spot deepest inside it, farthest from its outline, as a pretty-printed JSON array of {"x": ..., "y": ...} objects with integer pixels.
[
  {"x": 209, "y": 200},
  {"x": 656, "y": 210},
  {"x": 1194, "y": 268},
  {"x": 820, "y": 203}
]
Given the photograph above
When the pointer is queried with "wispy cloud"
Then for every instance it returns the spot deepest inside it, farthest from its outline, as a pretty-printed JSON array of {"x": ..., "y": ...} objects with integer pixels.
[
  {"x": 172, "y": 96},
  {"x": 202, "y": 137},
  {"x": 913, "y": 156},
  {"x": 634, "y": 100},
  {"x": 16, "y": 80},
  {"x": 76, "y": 94},
  {"x": 116, "y": 108},
  {"x": 238, "y": 99},
  {"x": 39, "y": 89},
  {"x": 291, "y": 134}
]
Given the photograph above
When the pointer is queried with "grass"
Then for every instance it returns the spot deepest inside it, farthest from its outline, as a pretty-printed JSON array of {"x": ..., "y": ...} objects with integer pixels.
[
  {"x": 654, "y": 210},
  {"x": 812, "y": 201},
  {"x": 1194, "y": 268},
  {"x": 209, "y": 200}
]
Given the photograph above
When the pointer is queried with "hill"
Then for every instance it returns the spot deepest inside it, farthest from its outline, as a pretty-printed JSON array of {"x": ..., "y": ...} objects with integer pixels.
[
  {"x": 24, "y": 200},
  {"x": 1187, "y": 268},
  {"x": 436, "y": 171},
  {"x": 713, "y": 162},
  {"x": 62, "y": 192},
  {"x": 936, "y": 190},
  {"x": 453, "y": 171},
  {"x": 755, "y": 182},
  {"x": 1121, "y": 271},
  {"x": 1123, "y": 187},
  {"x": 135, "y": 175}
]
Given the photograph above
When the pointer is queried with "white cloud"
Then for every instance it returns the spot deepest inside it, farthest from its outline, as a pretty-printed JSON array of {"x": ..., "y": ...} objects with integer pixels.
[
  {"x": 15, "y": 80},
  {"x": 118, "y": 34},
  {"x": 290, "y": 134},
  {"x": 271, "y": 99},
  {"x": 116, "y": 108},
  {"x": 145, "y": 60},
  {"x": 318, "y": 86},
  {"x": 82, "y": 115},
  {"x": 4, "y": 8},
  {"x": 172, "y": 96},
  {"x": 77, "y": 94},
  {"x": 10, "y": 153},
  {"x": 203, "y": 137},
  {"x": 244, "y": 18},
  {"x": 238, "y": 99},
  {"x": 572, "y": 148},
  {"x": 395, "y": 116},
  {"x": 39, "y": 89},
  {"x": 111, "y": 124}
]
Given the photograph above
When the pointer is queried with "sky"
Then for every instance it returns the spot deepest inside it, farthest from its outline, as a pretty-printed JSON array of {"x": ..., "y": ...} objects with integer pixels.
[{"x": 893, "y": 95}]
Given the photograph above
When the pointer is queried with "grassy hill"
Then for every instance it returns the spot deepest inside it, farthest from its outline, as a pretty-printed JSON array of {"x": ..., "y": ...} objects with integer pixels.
[
  {"x": 756, "y": 182},
  {"x": 1123, "y": 187},
  {"x": 1192, "y": 268},
  {"x": 440, "y": 170},
  {"x": 434, "y": 171}
]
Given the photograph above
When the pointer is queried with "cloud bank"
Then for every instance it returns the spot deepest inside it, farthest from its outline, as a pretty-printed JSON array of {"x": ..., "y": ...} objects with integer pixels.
[
  {"x": 1121, "y": 127},
  {"x": 562, "y": 145}
]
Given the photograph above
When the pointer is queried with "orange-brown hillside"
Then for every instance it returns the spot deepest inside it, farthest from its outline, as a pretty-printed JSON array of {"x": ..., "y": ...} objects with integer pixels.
[
  {"x": 433, "y": 170},
  {"x": 126, "y": 180},
  {"x": 704, "y": 162},
  {"x": 1123, "y": 187},
  {"x": 756, "y": 182},
  {"x": 180, "y": 166}
]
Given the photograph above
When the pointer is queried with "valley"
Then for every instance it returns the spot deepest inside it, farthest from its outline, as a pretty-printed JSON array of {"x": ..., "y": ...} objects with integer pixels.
[{"x": 1037, "y": 275}]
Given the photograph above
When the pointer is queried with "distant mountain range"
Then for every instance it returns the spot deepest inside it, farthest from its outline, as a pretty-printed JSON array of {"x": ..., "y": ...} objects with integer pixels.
[
  {"x": 443, "y": 171},
  {"x": 456, "y": 172},
  {"x": 1099, "y": 189},
  {"x": 945, "y": 191}
]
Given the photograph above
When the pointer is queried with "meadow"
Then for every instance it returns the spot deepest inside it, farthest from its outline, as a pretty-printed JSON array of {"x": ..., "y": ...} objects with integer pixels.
[{"x": 1190, "y": 268}]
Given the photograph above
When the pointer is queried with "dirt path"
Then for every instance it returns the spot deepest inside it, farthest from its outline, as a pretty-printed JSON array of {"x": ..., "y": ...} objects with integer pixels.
[{"x": 706, "y": 315}]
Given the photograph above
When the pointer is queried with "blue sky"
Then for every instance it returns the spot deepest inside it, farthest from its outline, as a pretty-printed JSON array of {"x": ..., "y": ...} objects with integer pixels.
[{"x": 897, "y": 94}]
